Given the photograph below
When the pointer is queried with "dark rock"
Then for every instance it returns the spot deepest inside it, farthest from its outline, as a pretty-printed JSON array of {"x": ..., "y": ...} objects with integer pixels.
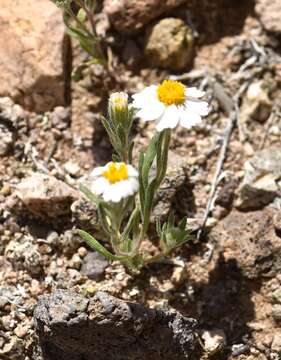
[
  {"x": 250, "y": 239},
  {"x": 226, "y": 194},
  {"x": 94, "y": 266},
  {"x": 72, "y": 327},
  {"x": 132, "y": 55}
]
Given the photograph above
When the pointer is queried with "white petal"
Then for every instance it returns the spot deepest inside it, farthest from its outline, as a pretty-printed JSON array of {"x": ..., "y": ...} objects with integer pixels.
[
  {"x": 128, "y": 187},
  {"x": 194, "y": 92},
  {"x": 120, "y": 190},
  {"x": 200, "y": 107},
  {"x": 99, "y": 185},
  {"x": 170, "y": 118},
  {"x": 141, "y": 98},
  {"x": 151, "y": 111},
  {"x": 189, "y": 118},
  {"x": 112, "y": 193},
  {"x": 132, "y": 171},
  {"x": 134, "y": 185},
  {"x": 98, "y": 171}
]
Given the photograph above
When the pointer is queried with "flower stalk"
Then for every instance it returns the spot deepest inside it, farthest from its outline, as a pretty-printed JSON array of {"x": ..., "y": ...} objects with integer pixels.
[{"x": 81, "y": 26}]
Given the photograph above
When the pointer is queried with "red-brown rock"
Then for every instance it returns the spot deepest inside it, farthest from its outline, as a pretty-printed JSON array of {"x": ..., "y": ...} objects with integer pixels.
[{"x": 129, "y": 16}]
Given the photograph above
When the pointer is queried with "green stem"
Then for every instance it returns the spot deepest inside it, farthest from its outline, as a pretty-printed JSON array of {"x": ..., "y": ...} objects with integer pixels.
[
  {"x": 162, "y": 161},
  {"x": 161, "y": 166},
  {"x": 92, "y": 33}
]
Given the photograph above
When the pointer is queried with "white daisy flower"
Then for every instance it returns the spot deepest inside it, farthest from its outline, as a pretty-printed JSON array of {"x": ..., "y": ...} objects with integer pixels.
[
  {"x": 114, "y": 181},
  {"x": 170, "y": 103}
]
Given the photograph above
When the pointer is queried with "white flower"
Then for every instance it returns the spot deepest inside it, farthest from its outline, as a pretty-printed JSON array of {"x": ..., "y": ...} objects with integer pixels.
[
  {"x": 115, "y": 181},
  {"x": 170, "y": 103}
]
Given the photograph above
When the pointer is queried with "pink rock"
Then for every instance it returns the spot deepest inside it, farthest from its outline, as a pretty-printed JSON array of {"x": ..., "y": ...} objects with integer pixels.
[
  {"x": 269, "y": 12},
  {"x": 31, "y": 53}
]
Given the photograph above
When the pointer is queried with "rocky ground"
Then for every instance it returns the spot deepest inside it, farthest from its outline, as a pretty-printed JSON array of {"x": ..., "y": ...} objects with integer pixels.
[{"x": 229, "y": 279}]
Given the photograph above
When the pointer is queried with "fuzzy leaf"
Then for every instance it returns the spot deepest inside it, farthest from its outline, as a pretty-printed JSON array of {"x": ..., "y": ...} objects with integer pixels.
[
  {"x": 94, "y": 199},
  {"x": 93, "y": 243},
  {"x": 141, "y": 187},
  {"x": 148, "y": 159}
]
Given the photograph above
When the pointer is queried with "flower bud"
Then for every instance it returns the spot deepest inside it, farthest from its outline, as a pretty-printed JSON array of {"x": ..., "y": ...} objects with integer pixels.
[{"x": 118, "y": 102}]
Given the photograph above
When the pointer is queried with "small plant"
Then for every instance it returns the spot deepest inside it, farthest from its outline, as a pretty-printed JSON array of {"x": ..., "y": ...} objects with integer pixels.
[
  {"x": 78, "y": 16},
  {"x": 123, "y": 195}
]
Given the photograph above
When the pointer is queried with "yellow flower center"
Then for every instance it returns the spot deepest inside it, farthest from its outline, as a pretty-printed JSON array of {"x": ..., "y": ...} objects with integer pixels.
[
  {"x": 171, "y": 92},
  {"x": 116, "y": 173}
]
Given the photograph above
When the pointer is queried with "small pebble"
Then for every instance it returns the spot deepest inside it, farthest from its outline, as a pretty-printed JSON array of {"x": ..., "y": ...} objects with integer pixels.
[
  {"x": 239, "y": 349},
  {"x": 214, "y": 340},
  {"x": 5, "y": 190},
  {"x": 75, "y": 262},
  {"x": 82, "y": 252},
  {"x": 21, "y": 331}
]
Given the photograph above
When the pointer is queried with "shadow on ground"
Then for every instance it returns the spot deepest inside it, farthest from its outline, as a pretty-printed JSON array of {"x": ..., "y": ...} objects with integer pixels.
[{"x": 216, "y": 19}]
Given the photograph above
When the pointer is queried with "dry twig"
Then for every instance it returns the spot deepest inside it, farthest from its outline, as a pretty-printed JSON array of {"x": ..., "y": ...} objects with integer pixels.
[{"x": 231, "y": 107}]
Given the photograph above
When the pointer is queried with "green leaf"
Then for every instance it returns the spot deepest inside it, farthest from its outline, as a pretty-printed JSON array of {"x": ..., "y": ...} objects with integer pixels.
[
  {"x": 94, "y": 244},
  {"x": 162, "y": 155},
  {"x": 88, "y": 45},
  {"x": 72, "y": 30},
  {"x": 94, "y": 199},
  {"x": 81, "y": 15},
  {"x": 148, "y": 203},
  {"x": 172, "y": 236},
  {"x": 135, "y": 217},
  {"x": 115, "y": 158},
  {"x": 141, "y": 187},
  {"x": 121, "y": 134},
  {"x": 110, "y": 132},
  {"x": 102, "y": 212},
  {"x": 148, "y": 159},
  {"x": 182, "y": 224}
]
